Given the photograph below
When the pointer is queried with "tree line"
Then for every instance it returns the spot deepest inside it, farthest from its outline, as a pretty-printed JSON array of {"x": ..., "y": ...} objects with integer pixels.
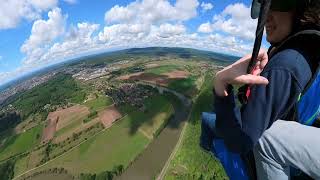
[
  {"x": 7, "y": 170},
  {"x": 106, "y": 175}
]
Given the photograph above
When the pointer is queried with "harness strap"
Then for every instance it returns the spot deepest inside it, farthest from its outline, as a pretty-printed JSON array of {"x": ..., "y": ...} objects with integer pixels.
[{"x": 293, "y": 37}]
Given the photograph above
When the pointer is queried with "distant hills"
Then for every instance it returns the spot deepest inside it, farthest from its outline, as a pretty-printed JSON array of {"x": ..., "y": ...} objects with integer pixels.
[
  {"x": 149, "y": 51},
  {"x": 181, "y": 52}
]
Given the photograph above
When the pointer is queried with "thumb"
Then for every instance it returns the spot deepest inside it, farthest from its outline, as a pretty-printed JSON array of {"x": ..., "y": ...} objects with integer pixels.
[{"x": 253, "y": 79}]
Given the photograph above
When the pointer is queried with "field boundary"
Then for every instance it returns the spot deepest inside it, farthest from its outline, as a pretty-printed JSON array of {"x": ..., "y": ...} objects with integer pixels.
[{"x": 42, "y": 165}]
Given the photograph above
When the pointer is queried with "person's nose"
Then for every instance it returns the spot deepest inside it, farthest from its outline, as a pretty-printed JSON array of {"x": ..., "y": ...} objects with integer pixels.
[{"x": 269, "y": 17}]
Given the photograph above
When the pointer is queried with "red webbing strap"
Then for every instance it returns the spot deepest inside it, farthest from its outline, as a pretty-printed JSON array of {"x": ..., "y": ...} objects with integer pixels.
[{"x": 244, "y": 92}]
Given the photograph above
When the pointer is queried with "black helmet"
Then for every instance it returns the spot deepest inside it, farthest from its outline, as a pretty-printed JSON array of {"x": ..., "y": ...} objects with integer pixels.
[{"x": 277, "y": 5}]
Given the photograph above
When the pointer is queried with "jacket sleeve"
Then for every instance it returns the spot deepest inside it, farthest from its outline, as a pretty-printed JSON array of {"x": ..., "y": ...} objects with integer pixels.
[{"x": 241, "y": 128}]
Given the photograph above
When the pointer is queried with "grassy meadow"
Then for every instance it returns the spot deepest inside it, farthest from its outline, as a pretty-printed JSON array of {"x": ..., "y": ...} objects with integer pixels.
[
  {"x": 99, "y": 103},
  {"x": 21, "y": 143}
]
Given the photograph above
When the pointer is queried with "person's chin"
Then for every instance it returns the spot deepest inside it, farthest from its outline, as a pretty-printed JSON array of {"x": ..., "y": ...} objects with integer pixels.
[{"x": 270, "y": 40}]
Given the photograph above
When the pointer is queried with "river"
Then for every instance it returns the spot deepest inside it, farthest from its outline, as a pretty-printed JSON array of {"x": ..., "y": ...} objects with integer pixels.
[{"x": 150, "y": 162}]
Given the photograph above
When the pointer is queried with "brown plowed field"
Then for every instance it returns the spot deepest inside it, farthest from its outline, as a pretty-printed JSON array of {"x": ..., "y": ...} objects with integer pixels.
[
  {"x": 177, "y": 74},
  {"x": 61, "y": 118},
  {"x": 162, "y": 80},
  {"x": 153, "y": 65},
  {"x": 67, "y": 116},
  {"x": 50, "y": 129},
  {"x": 126, "y": 77},
  {"x": 109, "y": 116}
]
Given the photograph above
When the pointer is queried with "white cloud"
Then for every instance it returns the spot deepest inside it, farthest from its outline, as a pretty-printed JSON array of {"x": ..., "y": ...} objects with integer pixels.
[
  {"x": 82, "y": 32},
  {"x": 168, "y": 30},
  {"x": 13, "y": 11},
  {"x": 122, "y": 33},
  {"x": 78, "y": 40},
  {"x": 43, "y": 33},
  {"x": 152, "y": 11},
  {"x": 43, "y": 4},
  {"x": 171, "y": 35},
  {"x": 205, "y": 28},
  {"x": 142, "y": 23},
  {"x": 236, "y": 20},
  {"x": 206, "y": 6}
]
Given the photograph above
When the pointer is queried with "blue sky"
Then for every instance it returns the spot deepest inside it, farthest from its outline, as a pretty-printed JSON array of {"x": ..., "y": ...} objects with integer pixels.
[{"x": 38, "y": 33}]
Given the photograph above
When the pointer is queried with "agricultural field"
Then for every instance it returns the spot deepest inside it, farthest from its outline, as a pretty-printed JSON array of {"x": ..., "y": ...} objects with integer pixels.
[
  {"x": 119, "y": 144},
  {"x": 181, "y": 78},
  {"x": 161, "y": 69},
  {"x": 52, "y": 176},
  {"x": 20, "y": 143},
  {"x": 21, "y": 165},
  {"x": 99, "y": 103},
  {"x": 81, "y": 124},
  {"x": 67, "y": 119},
  {"x": 186, "y": 86}
]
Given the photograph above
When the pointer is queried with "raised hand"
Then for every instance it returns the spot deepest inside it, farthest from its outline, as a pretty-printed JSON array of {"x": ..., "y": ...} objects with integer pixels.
[{"x": 236, "y": 73}]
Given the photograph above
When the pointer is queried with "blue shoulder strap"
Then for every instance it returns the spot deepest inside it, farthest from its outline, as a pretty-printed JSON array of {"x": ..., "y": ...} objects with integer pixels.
[{"x": 309, "y": 102}]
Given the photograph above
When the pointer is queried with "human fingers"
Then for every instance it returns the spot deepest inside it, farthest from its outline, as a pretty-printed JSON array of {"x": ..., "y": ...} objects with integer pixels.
[
  {"x": 263, "y": 59},
  {"x": 250, "y": 79}
]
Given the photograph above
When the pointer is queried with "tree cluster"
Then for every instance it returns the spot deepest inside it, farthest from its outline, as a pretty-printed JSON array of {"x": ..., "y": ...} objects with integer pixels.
[
  {"x": 7, "y": 170},
  {"x": 106, "y": 175}
]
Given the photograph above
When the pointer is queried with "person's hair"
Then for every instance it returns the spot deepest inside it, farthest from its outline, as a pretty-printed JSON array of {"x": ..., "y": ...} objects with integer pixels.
[{"x": 311, "y": 14}]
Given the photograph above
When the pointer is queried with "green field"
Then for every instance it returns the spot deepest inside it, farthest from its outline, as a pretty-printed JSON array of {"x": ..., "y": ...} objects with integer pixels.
[
  {"x": 69, "y": 127},
  {"x": 99, "y": 103},
  {"x": 118, "y": 145},
  {"x": 52, "y": 176},
  {"x": 114, "y": 146},
  {"x": 21, "y": 165},
  {"x": 20, "y": 143},
  {"x": 190, "y": 162},
  {"x": 160, "y": 110},
  {"x": 185, "y": 86},
  {"x": 163, "y": 69}
]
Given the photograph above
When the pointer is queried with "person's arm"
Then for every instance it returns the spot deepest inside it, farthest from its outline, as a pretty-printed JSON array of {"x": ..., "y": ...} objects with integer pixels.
[{"x": 241, "y": 129}]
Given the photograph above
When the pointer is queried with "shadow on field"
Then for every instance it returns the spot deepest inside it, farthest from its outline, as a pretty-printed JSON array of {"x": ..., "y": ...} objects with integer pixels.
[
  {"x": 155, "y": 106},
  {"x": 10, "y": 134}
]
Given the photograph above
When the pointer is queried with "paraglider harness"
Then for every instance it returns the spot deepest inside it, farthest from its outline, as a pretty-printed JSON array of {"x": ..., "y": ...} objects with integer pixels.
[{"x": 305, "y": 111}]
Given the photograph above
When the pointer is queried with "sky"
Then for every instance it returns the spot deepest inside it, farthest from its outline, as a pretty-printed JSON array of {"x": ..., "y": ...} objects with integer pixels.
[{"x": 38, "y": 33}]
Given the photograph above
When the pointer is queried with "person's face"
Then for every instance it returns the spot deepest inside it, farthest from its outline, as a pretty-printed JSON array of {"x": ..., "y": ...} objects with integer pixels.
[{"x": 278, "y": 26}]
